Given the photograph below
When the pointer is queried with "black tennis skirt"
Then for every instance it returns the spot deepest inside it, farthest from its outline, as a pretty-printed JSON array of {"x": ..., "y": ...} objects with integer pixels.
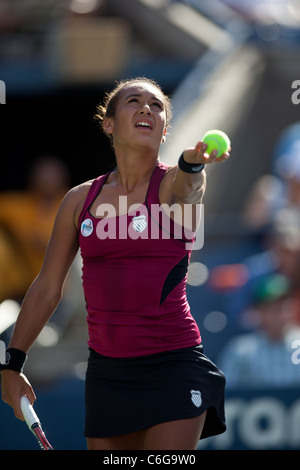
[{"x": 127, "y": 395}]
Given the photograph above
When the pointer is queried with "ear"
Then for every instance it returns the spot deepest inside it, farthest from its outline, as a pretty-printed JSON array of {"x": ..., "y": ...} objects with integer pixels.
[
  {"x": 164, "y": 138},
  {"x": 108, "y": 125}
]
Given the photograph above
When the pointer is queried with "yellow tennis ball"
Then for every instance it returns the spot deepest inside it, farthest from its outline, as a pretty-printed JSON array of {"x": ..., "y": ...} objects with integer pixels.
[{"x": 216, "y": 140}]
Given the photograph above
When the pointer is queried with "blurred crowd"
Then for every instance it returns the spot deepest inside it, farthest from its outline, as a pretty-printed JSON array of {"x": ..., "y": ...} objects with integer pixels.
[
  {"x": 264, "y": 305},
  {"x": 25, "y": 25},
  {"x": 26, "y": 221}
]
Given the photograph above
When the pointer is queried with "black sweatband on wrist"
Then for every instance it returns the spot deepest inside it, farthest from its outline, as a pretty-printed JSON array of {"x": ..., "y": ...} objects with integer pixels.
[
  {"x": 189, "y": 167},
  {"x": 14, "y": 359}
]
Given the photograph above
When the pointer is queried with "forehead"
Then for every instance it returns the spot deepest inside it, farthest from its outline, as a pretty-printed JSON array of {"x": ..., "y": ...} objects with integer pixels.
[{"x": 143, "y": 89}]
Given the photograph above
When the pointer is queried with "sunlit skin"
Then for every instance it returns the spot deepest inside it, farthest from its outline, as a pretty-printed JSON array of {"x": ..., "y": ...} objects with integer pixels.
[
  {"x": 136, "y": 147},
  {"x": 136, "y": 106}
]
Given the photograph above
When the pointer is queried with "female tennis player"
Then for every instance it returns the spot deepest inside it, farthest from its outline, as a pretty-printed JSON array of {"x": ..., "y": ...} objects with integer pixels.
[{"x": 148, "y": 383}]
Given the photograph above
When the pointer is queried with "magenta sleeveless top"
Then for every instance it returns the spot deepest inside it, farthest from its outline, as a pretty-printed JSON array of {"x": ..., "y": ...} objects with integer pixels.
[{"x": 134, "y": 277}]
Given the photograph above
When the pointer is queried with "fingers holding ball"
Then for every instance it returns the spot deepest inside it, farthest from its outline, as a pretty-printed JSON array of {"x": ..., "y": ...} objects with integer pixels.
[{"x": 217, "y": 142}]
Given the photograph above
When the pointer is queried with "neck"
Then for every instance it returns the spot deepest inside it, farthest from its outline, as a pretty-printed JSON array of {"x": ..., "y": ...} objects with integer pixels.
[{"x": 133, "y": 170}]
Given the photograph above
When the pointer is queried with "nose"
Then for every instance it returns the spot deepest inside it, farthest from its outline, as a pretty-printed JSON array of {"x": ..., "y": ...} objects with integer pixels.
[{"x": 145, "y": 109}]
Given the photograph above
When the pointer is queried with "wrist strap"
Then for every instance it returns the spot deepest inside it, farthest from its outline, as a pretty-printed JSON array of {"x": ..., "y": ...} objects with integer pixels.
[
  {"x": 189, "y": 167},
  {"x": 14, "y": 359}
]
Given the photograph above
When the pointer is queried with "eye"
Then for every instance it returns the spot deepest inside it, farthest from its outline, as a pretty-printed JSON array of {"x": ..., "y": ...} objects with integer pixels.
[
  {"x": 133, "y": 100},
  {"x": 157, "y": 105}
]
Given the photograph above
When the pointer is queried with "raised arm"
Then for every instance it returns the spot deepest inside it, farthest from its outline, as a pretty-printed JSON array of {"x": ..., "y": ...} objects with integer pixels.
[{"x": 187, "y": 185}]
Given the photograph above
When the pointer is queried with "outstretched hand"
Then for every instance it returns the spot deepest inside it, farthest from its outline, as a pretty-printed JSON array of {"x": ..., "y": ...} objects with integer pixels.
[{"x": 198, "y": 155}]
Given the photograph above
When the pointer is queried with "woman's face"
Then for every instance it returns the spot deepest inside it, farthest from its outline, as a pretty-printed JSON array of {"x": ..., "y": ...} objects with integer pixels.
[{"x": 140, "y": 118}]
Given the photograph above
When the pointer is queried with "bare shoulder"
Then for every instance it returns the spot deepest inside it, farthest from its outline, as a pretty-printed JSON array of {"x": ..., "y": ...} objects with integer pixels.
[
  {"x": 74, "y": 199},
  {"x": 81, "y": 190}
]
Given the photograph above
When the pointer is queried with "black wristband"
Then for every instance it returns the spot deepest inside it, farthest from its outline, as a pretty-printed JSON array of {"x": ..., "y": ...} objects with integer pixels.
[
  {"x": 14, "y": 360},
  {"x": 189, "y": 167}
]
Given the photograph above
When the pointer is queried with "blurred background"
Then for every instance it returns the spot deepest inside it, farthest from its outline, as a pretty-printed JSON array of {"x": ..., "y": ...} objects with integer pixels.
[{"x": 230, "y": 65}]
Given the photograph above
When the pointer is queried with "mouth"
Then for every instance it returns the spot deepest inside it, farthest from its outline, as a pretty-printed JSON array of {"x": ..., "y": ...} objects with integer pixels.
[{"x": 143, "y": 124}]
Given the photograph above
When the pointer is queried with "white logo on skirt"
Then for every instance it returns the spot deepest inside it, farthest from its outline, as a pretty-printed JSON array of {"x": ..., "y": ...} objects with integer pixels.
[{"x": 196, "y": 398}]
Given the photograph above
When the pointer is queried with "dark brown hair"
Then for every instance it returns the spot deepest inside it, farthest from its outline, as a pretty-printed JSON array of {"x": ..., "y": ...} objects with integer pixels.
[{"x": 108, "y": 107}]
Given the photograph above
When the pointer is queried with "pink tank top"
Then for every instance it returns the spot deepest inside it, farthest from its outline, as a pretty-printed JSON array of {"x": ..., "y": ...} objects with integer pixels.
[{"x": 134, "y": 277}]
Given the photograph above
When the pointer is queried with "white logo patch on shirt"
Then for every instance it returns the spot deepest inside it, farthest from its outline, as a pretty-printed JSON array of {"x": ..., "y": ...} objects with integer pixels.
[
  {"x": 87, "y": 227},
  {"x": 139, "y": 223}
]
